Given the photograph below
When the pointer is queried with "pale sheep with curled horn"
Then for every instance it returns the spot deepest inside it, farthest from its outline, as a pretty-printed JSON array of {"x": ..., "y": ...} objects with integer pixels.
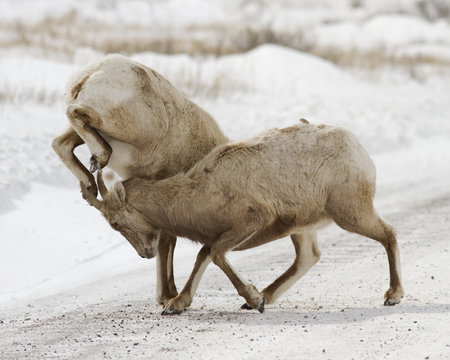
[
  {"x": 137, "y": 123},
  {"x": 290, "y": 181}
]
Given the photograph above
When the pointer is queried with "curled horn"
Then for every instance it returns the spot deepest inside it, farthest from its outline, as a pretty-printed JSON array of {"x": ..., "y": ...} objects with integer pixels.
[
  {"x": 90, "y": 198},
  {"x": 101, "y": 184}
]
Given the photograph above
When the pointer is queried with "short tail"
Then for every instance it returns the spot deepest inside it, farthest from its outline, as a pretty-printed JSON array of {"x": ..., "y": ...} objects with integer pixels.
[{"x": 304, "y": 121}]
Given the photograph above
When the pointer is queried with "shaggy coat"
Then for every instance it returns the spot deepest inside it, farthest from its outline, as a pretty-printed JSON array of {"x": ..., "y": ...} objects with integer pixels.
[
  {"x": 291, "y": 181},
  {"x": 136, "y": 122}
]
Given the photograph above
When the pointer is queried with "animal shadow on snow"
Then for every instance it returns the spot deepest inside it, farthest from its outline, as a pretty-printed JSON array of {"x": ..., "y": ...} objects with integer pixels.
[{"x": 323, "y": 316}]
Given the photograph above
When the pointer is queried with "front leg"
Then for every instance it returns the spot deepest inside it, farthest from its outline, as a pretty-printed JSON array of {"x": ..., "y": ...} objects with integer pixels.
[
  {"x": 180, "y": 302},
  {"x": 248, "y": 291},
  {"x": 64, "y": 146},
  {"x": 165, "y": 282}
]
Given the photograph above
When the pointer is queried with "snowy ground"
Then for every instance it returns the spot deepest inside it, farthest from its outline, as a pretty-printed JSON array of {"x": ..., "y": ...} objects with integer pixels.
[{"x": 71, "y": 287}]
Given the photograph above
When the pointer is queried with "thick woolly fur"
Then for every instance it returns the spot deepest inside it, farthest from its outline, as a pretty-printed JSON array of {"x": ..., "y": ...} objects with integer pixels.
[
  {"x": 290, "y": 181},
  {"x": 137, "y": 110},
  {"x": 136, "y": 122}
]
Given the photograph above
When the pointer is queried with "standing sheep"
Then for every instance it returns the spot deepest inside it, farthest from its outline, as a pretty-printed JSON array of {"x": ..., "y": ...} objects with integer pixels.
[{"x": 291, "y": 181}]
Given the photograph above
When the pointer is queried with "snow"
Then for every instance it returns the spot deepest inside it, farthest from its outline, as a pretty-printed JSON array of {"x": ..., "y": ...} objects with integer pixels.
[
  {"x": 71, "y": 287},
  {"x": 404, "y": 31}
]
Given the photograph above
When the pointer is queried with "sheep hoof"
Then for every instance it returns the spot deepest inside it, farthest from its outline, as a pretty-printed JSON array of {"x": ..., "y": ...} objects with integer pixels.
[
  {"x": 389, "y": 303},
  {"x": 171, "y": 312},
  {"x": 393, "y": 296},
  {"x": 92, "y": 189},
  {"x": 94, "y": 164},
  {"x": 246, "y": 307},
  {"x": 261, "y": 305}
]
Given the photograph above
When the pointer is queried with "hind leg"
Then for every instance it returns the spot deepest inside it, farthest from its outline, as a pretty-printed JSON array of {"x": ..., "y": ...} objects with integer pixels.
[
  {"x": 82, "y": 120},
  {"x": 307, "y": 253},
  {"x": 364, "y": 220}
]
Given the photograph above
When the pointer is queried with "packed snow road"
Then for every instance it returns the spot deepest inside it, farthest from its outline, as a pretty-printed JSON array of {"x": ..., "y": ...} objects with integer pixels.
[{"x": 334, "y": 312}]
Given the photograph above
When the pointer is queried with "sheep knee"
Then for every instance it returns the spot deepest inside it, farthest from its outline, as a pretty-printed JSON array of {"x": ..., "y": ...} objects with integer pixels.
[
  {"x": 216, "y": 258},
  {"x": 58, "y": 145},
  {"x": 64, "y": 144}
]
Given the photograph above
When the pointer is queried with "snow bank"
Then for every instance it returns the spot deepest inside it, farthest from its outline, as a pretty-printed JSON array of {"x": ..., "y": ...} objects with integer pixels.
[
  {"x": 292, "y": 84},
  {"x": 270, "y": 69},
  {"x": 344, "y": 31},
  {"x": 28, "y": 78},
  {"x": 388, "y": 35},
  {"x": 32, "y": 13}
]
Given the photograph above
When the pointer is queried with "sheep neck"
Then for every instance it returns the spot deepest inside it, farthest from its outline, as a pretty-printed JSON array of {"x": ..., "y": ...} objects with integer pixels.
[{"x": 156, "y": 199}]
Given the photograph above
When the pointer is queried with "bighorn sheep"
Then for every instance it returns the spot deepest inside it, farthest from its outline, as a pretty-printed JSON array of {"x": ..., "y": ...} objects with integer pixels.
[
  {"x": 136, "y": 122},
  {"x": 291, "y": 181}
]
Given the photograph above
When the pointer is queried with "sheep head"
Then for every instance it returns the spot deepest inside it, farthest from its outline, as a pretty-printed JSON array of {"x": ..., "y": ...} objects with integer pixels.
[{"x": 123, "y": 217}]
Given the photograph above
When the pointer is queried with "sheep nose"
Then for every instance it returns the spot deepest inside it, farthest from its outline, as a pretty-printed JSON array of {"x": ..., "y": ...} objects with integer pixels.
[{"x": 149, "y": 253}]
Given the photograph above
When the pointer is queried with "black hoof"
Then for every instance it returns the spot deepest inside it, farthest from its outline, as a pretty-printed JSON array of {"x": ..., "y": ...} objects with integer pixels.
[
  {"x": 261, "y": 305},
  {"x": 94, "y": 164},
  {"x": 89, "y": 188},
  {"x": 171, "y": 312},
  {"x": 246, "y": 307},
  {"x": 390, "y": 303},
  {"x": 260, "y": 308}
]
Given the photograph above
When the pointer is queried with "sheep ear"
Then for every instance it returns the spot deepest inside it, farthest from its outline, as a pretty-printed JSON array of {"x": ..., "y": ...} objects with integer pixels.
[{"x": 118, "y": 193}]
